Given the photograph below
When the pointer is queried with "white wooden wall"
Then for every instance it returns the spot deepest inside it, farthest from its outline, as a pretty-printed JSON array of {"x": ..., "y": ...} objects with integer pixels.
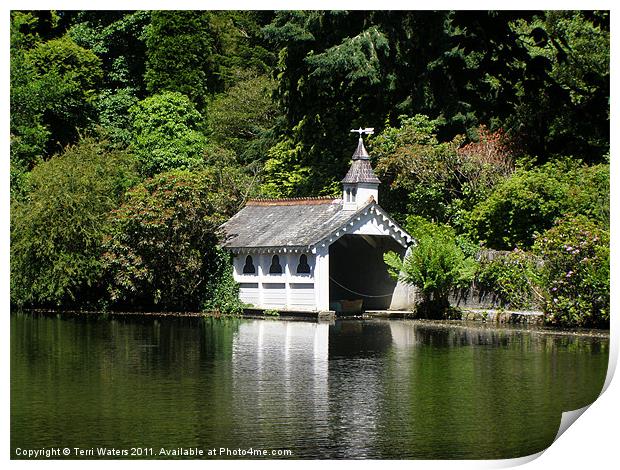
[{"x": 286, "y": 291}]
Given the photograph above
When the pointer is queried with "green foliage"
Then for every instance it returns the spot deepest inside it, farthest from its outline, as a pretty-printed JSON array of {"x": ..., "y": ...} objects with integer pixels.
[
  {"x": 532, "y": 199},
  {"x": 568, "y": 112},
  {"x": 23, "y": 32},
  {"x": 65, "y": 58},
  {"x": 468, "y": 68},
  {"x": 271, "y": 313},
  {"x": 161, "y": 253},
  {"x": 198, "y": 53},
  {"x": 240, "y": 44},
  {"x": 57, "y": 229},
  {"x": 240, "y": 182},
  {"x": 222, "y": 293},
  {"x": 180, "y": 50},
  {"x": 53, "y": 88},
  {"x": 114, "y": 116},
  {"x": 576, "y": 271},
  {"x": 513, "y": 277},
  {"x": 74, "y": 73},
  {"x": 283, "y": 176},
  {"x": 435, "y": 265},
  {"x": 166, "y": 133},
  {"x": 117, "y": 37},
  {"x": 438, "y": 180},
  {"x": 242, "y": 117},
  {"x": 357, "y": 60},
  {"x": 324, "y": 91}
]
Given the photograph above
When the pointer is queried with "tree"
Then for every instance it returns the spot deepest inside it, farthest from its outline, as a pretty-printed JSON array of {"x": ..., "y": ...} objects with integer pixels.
[
  {"x": 242, "y": 117},
  {"x": 568, "y": 112},
  {"x": 180, "y": 51},
  {"x": 161, "y": 248},
  {"x": 115, "y": 119},
  {"x": 284, "y": 175},
  {"x": 117, "y": 37},
  {"x": 199, "y": 53},
  {"x": 76, "y": 73},
  {"x": 166, "y": 133},
  {"x": 440, "y": 181},
  {"x": 53, "y": 90},
  {"x": 334, "y": 69},
  {"x": 57, "y": 230},
  {"x": 463, "y": 68}
]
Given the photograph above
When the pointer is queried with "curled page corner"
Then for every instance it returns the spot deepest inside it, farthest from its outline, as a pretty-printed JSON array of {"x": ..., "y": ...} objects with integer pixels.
[{"x": 568, "y": 418}]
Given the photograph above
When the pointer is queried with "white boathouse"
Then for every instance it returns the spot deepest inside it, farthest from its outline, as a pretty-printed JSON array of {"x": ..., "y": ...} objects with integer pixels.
[{"x": 319, "y": 254}]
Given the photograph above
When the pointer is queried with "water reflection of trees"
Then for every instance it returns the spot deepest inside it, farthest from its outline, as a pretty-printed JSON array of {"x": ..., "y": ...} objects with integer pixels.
[
  {"x": 471, "y": 392},
  {"x": 90, "y": 381}
]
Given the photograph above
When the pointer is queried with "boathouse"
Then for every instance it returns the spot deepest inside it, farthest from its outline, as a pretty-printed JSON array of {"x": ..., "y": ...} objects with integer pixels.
[{"x": 321, "y": 253}]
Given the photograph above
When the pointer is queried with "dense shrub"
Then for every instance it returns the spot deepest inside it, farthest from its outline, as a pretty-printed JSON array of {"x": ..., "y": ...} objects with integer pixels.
[
  {"x": 513, "y": 277},
  {"x": 532, "y": 199},
  {"x": 58, "y": 225},
  {"x": 161, "y": 250},
  {"x": 575, "y": 276},
  {"x": 435, "y": 265}
]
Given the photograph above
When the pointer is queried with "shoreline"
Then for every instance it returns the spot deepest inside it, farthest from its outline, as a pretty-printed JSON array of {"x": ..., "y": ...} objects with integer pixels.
[{"x": 465, "y": 323}]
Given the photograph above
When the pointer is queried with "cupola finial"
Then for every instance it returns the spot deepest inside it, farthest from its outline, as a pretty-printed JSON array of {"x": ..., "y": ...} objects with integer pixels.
[
  {"x": 360, "y": 131},
  {"x": 360, "y": 152}
]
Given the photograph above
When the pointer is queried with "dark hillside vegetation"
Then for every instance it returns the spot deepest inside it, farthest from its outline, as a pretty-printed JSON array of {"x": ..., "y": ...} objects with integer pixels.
[{"x": 494, "y": 124}]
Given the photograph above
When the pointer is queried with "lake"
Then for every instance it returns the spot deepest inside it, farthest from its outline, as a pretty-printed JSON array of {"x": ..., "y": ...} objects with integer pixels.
[{"x": 389, "y": 389}]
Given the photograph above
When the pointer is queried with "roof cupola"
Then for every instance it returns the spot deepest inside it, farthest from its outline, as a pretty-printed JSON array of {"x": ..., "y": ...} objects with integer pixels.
[{"x": 360, "y": 182}]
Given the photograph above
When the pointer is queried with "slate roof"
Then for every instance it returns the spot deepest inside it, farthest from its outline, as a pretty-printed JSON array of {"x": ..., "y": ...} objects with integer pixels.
[
  {"x": 291, "y": 223},
  {"x": 361, "y": 170}
]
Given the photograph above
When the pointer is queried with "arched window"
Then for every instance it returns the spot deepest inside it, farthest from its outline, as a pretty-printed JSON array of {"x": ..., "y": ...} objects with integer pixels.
[
  {"x": 353, "y": 194},
  {"x": 275, "y": 267},
  {"x": 348, "y": 199},
  {"x": 303, "y": 267},
  {"x": 249, "y": 268}
]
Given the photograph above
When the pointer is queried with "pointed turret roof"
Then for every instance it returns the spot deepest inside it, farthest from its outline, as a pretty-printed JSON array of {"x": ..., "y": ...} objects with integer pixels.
[
  {"x": 361, "y": 170},
  {"x": 360, "y": 152}
]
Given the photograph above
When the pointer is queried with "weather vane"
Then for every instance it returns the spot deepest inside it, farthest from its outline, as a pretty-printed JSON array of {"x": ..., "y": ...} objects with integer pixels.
[{"x": 368, "y": 130}]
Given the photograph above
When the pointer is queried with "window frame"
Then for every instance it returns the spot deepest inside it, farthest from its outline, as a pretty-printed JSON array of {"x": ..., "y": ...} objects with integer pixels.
[
  {"x": 279, "y": 265},
  {"x": 253, "y": 266}
]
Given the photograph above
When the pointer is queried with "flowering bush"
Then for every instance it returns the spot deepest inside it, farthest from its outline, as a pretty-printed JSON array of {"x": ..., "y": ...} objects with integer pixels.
[{"x": 575, "y": 276}]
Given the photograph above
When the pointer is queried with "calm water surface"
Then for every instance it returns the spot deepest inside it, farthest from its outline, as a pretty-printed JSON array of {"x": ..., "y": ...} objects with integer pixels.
[{"x": 353, "y": 389}]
